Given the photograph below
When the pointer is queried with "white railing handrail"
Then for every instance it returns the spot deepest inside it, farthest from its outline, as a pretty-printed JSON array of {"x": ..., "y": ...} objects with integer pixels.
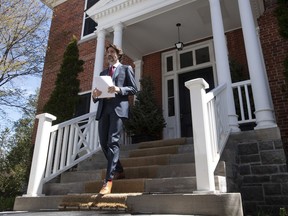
[
  {"x": 60, "y": 147},
  {"x": 73, "y": 121},
  {"x": 216, "y": 101},
  {"x": 210, "y": 130}
]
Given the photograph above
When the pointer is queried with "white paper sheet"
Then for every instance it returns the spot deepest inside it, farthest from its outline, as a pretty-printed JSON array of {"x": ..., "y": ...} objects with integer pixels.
[{"x": 102, "y": 83}]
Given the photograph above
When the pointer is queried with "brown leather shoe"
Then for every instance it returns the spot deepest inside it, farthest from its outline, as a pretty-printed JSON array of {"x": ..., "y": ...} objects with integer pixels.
[
  {"x": 119, "y": 175},
  {"x": 106, "y": 188}
]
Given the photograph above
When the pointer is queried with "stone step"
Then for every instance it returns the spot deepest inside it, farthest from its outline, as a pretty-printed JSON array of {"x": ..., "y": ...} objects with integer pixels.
[
  {"x": 78, "y": 176},
  {"x": 164, "y": 159},
  {"x": 162, "y": 143},
  {"x": 174, "y": 149},
  {"x": 98, "y": 161},
  {"x": 147, "y": 171},
  {"x": 73, "y": 182},
  {"x": 93, "y": 172},
  {"x": 224, "y": 204},
  {"x": 227, "y": 204},
  {"x": 159, "y": 185},
  {"x": 148, "y": 185},
  {"x": 146, "y": 167},
  {"x": 39, "y": 203},
  {"x": 63, "y": 188}
]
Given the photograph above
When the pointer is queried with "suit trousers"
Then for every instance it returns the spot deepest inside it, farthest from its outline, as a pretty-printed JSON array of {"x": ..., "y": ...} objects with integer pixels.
[{"x": 110, "y": 128}]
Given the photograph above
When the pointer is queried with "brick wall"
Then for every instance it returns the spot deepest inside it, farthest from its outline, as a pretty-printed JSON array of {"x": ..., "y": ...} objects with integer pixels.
[
  {"x": 275, "y": 49},
  {"x": 66, "y": 22},
  {"x": 152, "y": 67},
  {"x": 236, "y": 50}
]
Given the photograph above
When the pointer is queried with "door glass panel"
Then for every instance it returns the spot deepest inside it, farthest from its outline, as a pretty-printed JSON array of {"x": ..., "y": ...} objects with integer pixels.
[
  {"x": 202, "y": 55},
  {"x": 171, "y": 105},
  {"x": 186, "y": 59}
]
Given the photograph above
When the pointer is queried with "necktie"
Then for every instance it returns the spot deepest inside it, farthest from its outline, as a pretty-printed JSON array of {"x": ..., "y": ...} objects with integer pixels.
[{"x": 111, "y": 71}]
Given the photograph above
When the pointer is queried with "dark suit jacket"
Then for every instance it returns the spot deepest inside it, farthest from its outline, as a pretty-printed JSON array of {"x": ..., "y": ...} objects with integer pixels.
[{"x": 123, "y": 77}]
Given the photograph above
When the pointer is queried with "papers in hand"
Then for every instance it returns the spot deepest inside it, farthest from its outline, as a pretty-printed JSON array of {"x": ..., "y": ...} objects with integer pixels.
[{"x": 102, "y": 84}]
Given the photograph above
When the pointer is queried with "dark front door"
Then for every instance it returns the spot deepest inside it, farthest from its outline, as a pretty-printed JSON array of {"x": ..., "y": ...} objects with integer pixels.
[{"x": 184, "y": 95}]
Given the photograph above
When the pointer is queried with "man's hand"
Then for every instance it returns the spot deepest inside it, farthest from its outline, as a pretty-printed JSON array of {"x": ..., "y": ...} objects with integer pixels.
[
  {"x": 113, "y": 89},
  {"x": 96, "y": 93}
]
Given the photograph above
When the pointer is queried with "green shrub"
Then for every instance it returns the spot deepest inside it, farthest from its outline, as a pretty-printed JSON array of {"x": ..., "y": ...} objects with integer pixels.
[{"x": 64, "y": 98}]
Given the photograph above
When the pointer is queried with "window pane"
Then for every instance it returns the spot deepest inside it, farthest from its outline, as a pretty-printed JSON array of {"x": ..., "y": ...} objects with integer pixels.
[
  {"x": 186, "y": 59},
  {"x": 171, "y": 106},
  {"x": 83, "y": 106},
  {"x": 90, "y": 3},
  {"x": 169, "y": 63},
  {"x": 202, "y": 55},
  {"x": 89, "y": 25}
]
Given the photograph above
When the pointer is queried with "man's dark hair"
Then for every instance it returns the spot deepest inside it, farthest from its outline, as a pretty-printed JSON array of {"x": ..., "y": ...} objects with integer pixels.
[{"x": 117, "y": 49}]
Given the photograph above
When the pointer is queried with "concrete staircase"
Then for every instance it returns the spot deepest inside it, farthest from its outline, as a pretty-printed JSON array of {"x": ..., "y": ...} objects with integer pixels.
[{"x": 160, "y": 179}]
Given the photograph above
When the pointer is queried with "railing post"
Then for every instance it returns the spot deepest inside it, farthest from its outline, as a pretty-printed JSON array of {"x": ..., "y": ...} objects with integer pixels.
[
  {"x": 35, "y": 184},
  {"x": 201, "y": 136}
]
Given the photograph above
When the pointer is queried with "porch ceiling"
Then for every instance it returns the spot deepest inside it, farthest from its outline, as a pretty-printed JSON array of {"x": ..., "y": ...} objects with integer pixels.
[
  {"x": 160, "y": 32},
  {"x": 157, "y": 31}
]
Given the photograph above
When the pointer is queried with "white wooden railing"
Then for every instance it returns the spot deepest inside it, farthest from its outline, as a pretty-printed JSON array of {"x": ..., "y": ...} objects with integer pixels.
[
  {"x": 210, "y": 130},
  {"x": 244, "y": 101},
  {"x": 60, "y": 147}
]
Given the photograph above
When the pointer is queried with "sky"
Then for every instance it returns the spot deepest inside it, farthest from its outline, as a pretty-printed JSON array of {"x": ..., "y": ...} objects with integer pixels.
[{"x": 27, "y": 83}]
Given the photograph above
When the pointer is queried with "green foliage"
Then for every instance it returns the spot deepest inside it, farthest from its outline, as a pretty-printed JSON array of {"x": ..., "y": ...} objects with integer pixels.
[
  {"x": 146, "y": 117},
  {"x": 237, "y": 71},
  {"x": 64, "y": 97},
  {"x": 15, "y": 158},
  {"x": 282, "y": 17},
  {"x": 283, "y": 212}
]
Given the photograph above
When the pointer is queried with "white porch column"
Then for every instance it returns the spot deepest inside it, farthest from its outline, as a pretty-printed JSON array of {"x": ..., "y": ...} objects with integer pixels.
[
  {"x": 118, "y": 34},
  {"x": 138, "y": 72},
  {"x": 99, "y": 61},
  {"x": 222, "y": 62},
  {"x": 261, "y": 94}
]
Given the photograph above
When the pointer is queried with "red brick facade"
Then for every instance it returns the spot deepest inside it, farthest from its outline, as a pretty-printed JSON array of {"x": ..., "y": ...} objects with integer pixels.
[
  {"x": 152, "y": 67},
  {"x": 66, "y": 22},
  {"x": 275, "y": 50},
  {"x": 236, "y": 50}
]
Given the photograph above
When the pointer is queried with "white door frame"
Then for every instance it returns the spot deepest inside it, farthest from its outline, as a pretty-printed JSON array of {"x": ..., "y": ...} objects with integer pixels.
[{"x": 173, "y": 127}]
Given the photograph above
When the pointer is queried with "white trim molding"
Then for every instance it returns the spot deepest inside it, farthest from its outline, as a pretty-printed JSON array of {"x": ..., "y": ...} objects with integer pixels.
[
  {"x": 107, "y": 13},
  {"x": 53, "y": 3}
]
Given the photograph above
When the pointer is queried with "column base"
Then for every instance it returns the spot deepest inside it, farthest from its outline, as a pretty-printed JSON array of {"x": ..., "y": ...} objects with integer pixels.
[
  {"x": 233, "y": 123},
  {"x": 265, "y": 119}
]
